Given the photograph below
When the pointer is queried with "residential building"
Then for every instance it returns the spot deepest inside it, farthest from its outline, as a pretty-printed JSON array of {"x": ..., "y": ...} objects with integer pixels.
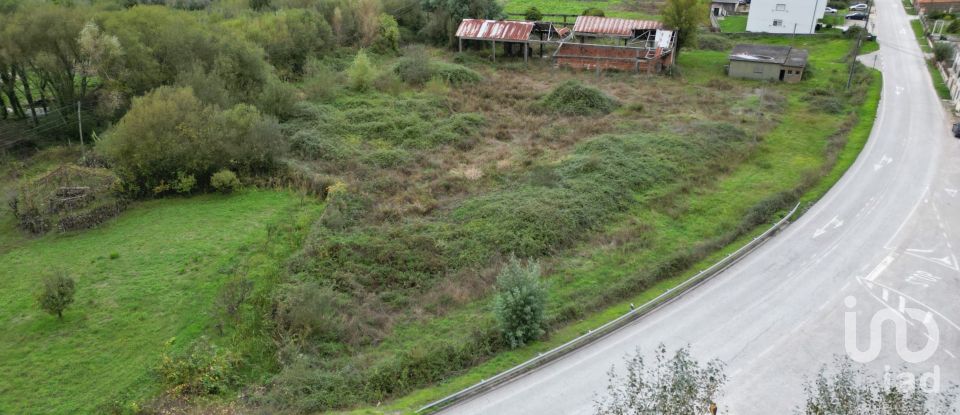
[
  {"x": 785, "y": 16},
  {"x": 720, "y": 8}
]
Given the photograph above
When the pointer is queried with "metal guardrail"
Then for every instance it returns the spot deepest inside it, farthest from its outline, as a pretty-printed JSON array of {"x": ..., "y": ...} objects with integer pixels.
[{"x": 614, "y": 325}]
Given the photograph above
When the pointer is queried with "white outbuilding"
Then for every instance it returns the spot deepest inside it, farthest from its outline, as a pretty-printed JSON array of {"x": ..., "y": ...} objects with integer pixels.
[{"x": 785, "y": 16}]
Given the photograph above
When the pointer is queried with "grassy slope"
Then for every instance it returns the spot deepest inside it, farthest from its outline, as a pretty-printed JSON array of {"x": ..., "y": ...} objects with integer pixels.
[
  {"x": 171, "y": 256},
  {"x": 938, "y": 83},
  {"x": 788, "y": 153}
]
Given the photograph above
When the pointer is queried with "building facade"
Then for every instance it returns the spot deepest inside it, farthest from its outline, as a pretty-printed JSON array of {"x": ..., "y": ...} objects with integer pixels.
[
  {"x": 947, "y": 6},
  {"x": 785, "y": 16}
]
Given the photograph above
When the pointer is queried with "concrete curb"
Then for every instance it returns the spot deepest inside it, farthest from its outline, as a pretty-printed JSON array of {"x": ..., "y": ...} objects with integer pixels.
[{"x": 610, "y": 327}]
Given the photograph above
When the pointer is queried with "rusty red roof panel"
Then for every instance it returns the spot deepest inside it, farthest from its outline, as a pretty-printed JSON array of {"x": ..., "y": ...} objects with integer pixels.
[
  {"x": 495, "y": 30},
  {"x": 612, "y": 26}
]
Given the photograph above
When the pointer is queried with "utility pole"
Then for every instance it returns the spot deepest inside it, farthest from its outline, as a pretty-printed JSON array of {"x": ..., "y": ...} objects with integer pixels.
[
  {"x": 856, "y": 49},
  {"x": 83, "y": 150}
]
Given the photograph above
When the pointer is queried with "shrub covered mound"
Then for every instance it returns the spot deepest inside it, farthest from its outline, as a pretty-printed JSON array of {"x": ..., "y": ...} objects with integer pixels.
[
  {"x": 67, "y": 198},
  {"x": 574, "y": 98}
]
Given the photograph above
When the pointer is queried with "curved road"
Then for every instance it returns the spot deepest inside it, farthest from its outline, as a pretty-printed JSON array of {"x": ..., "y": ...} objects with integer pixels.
[{"x": 881, "y": 245}]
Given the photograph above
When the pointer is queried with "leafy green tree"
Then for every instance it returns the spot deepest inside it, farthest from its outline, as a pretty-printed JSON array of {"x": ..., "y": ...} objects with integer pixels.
[
  {"x": 288, "y": 37},
  {"x": 533, "y": 13},
  {"x": 846, "y": 389},
  {"x": 521, "y": 302},
  {"x": 57, "y": 293},
  {"x": 593, "y": 11},
  {"x": 677, "y": 385},
  {"x": 388, "y": 35},
  {"x": 685, "y": 16},
  {"x": 445, "y": 16},
  {"x": 169, "y": 133}
]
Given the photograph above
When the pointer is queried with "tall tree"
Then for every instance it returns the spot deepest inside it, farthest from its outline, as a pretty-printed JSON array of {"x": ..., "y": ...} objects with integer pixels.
[{"x": 686, "y": 17}]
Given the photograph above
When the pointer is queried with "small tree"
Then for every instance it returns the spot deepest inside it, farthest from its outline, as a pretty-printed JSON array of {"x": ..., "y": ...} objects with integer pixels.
[
  {"x": 57, "y": 293},
  {"x": 686, "y": 17},
  {"x": 520, "y": 302},
  {"x": 942, "y": 51},
  {"x": 361, "y": 73},
  {"x": 677, "y": 385},
  {"x": 388, "y": 34}
]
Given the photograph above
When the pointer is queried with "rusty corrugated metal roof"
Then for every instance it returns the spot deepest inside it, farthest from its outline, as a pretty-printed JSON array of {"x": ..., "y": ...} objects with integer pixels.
[
  {"x": 612, "y": 26},
  {"x": 495, "y": 30}
]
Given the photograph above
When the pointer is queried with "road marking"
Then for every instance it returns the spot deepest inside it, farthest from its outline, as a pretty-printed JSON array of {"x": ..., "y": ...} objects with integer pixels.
[
  {"x": 879, "y": 268},
  {"x": 949, "y": 353},
  {"x": 885, "y": 160},
  {"x": 951, "y": 192},
  {"x": 899, "y": 90},
  {"x": 835, "y": 222}
]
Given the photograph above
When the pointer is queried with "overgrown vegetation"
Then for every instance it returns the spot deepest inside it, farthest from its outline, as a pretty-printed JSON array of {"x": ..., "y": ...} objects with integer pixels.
[
  {"x": 435, "y": 169},
  {"x": 574, "y": 98}
]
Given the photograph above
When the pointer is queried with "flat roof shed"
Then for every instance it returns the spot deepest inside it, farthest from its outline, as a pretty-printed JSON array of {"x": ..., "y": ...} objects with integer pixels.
[
  {"x": 768, "y": 62},
  {"x": 494, "y": 31}
]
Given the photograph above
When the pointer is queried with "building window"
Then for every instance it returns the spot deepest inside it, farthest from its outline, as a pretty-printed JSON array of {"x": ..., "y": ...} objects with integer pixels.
[
  {"x": 778, "y": 22},
  {"x": 757, "y": 68},
  {"x": 781, "y": 7}
]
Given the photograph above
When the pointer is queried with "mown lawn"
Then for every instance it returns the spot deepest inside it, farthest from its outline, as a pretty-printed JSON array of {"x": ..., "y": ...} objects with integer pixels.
[
  {"x": 796, "y": 149},
  {"x": 144, "y": 278},
  {"x": 734, "y": 24}
]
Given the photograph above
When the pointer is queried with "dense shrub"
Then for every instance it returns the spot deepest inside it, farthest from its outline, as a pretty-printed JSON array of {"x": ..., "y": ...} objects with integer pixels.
[
  {"x": 279, "y": 99},
  {"x": 361, "y": 72},
  {"x": 574, "y": 98},
  {"x": 57, "y": 293},
  {"x": 288, "y": 37},
  {"x": 533, "y": 14},
  {"x": 388, "y": 34},
  {"x": 943, "y": 51},
  {"x": 309, "y": 312},
  {"x": 520, "y": 302},
  {"x": 225, "y": 181},
  {"x": 414, "y": 68},
  {"x": 456, "y": 74},
  {"x": 169, "y": 133},
  {"x": 203, "y": 369}
]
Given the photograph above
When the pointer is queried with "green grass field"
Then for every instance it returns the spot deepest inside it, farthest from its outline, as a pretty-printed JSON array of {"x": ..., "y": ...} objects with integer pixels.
[
  {"x": 144, "y": 278},
  {"x": 733, "y": 24},
  {"x": 793, "y": 151},
  {"x": 613, "y": 8}
]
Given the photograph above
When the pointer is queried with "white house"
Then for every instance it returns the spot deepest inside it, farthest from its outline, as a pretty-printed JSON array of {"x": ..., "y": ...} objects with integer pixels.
[{"x": 785, "y": 16}]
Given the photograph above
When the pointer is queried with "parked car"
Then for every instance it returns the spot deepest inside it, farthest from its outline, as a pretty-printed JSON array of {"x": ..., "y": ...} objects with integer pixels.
[
  {"x": 956, "y": 130},
  {"x": 831, "y": 10},
  {"x": 856, "y": 16},
  {"x": 859, "y": 7}
]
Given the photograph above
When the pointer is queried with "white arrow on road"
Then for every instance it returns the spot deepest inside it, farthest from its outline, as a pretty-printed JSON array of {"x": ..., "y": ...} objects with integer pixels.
[
  {"x": 833, "y": 224},
  {"x": 883, "y": 162}
]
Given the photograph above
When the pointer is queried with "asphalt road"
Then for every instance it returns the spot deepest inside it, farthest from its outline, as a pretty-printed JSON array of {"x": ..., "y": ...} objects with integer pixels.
[{"x": 881, "y": 245}]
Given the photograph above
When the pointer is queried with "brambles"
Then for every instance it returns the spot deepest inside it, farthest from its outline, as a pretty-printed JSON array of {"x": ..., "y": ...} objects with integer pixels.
[
  {"x": 57, "y": 293},
  {"x": 574, "y": 98},
  {"x": 203, "y": 369}
]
